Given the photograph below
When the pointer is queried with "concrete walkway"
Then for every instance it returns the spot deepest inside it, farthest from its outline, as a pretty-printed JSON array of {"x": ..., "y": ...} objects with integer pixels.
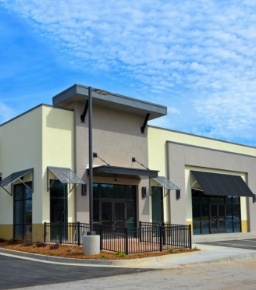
[{"x": 206, "y": 254}]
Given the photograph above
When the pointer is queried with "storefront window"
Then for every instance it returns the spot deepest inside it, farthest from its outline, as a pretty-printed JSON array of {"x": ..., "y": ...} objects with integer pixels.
[
  {"x": 23, "y": 211},
  {"x": 215, "y": 214}
]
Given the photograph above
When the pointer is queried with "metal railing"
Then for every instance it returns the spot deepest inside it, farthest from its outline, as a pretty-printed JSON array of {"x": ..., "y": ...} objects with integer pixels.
[
  {"x": 65, "y": 233},
  {"x": 148, "y": 237}
]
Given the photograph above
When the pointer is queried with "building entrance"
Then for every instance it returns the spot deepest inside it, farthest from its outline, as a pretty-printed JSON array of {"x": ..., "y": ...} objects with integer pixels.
[
  {"x": 112, "y": 213},
  {"x": 215, "y": 214},
  {"x": 114, "y": 205},
  {"x": 217, "y": 218}
]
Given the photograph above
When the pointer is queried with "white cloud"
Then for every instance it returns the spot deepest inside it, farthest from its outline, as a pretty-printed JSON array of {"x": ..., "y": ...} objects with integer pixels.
[
  {"x": 6, "y": 113},
  {"x": 200, "y": 54}
]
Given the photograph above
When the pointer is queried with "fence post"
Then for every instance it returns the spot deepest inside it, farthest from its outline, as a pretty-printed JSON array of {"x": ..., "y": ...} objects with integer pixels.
[
  {"x": 190, "y": 237},
  {"x": 78, "y": 234},
  {"x": 140, "y": 230},
  {"x": 60, "y": 234},
  {"x": 44, "y": 231},
  {"x": 164, "y": 234},
  {"x": 101, "y": 237},
  {"x": 126, "y": 241},
  {"x": 161, "y": 238}
]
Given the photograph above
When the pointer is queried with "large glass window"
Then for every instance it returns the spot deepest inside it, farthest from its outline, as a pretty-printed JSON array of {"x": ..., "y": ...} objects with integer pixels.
[
  {"x": 23, "y": 211},
  {"x": 215, "y": 214},
  {"x": 58, "y": 209},
  {"x": 157, "y": 205}
]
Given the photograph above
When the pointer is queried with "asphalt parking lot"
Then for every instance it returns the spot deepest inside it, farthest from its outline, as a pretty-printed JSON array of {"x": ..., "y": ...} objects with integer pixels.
[
  {"x": 248, "y": 244},
  {"x": 18, "y": 273}
]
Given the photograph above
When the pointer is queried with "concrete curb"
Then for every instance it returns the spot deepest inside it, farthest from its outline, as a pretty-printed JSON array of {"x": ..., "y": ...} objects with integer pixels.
[
  {"x": 88, "y": 262},
  {"x": 141, "y": 262}
]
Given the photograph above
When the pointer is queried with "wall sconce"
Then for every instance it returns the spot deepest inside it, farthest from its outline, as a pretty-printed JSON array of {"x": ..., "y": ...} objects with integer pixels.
[
  {"x": 83, "y": 190},
  {"x": 177, "y": 194},
  {"x": 143, "y": 192}
]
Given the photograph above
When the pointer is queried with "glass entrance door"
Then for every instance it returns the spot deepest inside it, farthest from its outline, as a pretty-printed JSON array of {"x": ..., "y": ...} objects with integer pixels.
[
  {"x": 217, "y": 218},
  {"x": 112, "y": 213}
]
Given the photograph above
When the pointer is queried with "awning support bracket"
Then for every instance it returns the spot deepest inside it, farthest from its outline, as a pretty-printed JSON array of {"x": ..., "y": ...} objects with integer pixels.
[
  {"x": 145, "y": 123},
  {"x": 82, "y": 117},
  {"x": 6, "y": 191},
  {"x": 49, "y": 187}
]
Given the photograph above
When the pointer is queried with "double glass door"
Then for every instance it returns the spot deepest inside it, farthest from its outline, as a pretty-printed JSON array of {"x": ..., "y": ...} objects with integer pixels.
[
  {"x": 217, "y": 218},
  {"x": 112, "y": 213}
]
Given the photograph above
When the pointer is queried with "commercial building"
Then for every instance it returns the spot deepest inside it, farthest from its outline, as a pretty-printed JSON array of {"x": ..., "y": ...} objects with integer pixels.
[{"x": 140, "y": 172}]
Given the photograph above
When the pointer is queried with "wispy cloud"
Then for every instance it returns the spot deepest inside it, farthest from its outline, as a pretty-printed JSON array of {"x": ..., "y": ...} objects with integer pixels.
[
  {"x": 196, "y": 57},
  {"x": 6, "y": 113}
]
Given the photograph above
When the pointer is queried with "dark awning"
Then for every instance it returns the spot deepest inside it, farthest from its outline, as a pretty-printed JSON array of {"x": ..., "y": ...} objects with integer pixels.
[
  {"x": 123, "y": 172},
  {"x": 167, "y": 184},
  {"x": 222, "y": 184},
  {"x": 15, "y": 176},
  {"x": 65, "y": 175}
]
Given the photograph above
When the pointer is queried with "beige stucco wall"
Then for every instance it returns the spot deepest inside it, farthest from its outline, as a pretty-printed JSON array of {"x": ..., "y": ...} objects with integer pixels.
[
  {"x": 20, "y": 148},
  {"x": 177, "y": 153},
  {"x": 39, "y": 138},
  {"x": 57, "y": 150},
  {"x": 117, "y": 138},
  {"x": 157, "y": 138}
]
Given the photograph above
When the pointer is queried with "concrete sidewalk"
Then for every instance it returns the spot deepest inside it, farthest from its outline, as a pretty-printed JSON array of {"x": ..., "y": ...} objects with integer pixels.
[{"x": 206, "y": 254}]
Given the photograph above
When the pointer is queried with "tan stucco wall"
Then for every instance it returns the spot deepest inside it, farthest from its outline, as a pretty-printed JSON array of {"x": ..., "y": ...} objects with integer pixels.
[
  {"x": 117, "y": 138},
  {"x": 157, "y": 138},
  {"x": 6, "y": 232},
  {"x": 176, "y": 158}
]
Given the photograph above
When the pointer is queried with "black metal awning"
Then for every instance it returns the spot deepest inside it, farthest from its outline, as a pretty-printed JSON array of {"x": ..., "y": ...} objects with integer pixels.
[
  {"x": 14, "y": 177},
  {"x": 165, "y": 183},
  {"x": 123, "y": 172},
  {"x": 65, "y": 175},
  {"x": 222, "y": 184}
]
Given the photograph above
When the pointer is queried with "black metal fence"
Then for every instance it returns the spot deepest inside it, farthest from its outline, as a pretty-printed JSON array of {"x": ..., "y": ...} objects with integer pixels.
[{"x": 148, "y": 237}]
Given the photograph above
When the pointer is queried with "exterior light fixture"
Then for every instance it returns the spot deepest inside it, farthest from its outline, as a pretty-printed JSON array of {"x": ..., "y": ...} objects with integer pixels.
[
  {"x": 177, "y": 194},
  {"x": 143, "y": 192},
  {"x": 83, "y": 190}
]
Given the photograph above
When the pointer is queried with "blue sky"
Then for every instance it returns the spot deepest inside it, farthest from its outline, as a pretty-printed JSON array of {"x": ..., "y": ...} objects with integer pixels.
[{"x": 195, "y": 57}]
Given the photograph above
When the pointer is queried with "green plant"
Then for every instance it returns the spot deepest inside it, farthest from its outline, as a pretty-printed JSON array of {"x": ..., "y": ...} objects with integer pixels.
[
  {"x": 120, "y": 254},
  {"x": 181, "y": 249},
  {"x": 171, "y": 250},
  {"x": 104, "y": 256}
]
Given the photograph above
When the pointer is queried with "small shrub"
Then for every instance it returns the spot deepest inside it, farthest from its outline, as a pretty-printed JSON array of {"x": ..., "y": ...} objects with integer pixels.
[
  {"x": 170, "y": 250},
  {"x": 181, "y": 250},
  {"x": 54, "y": 246},
  {"x": 120, "y": 254},
  {"x": 40, "y": 244},
  {"x": 27, "y": 243},
  {"x": 14, "y": 242},
  {"x": 104, "y": 256}
]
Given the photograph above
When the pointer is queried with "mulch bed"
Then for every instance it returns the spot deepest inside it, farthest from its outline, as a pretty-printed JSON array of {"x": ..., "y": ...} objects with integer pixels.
[{"x": 74, "y": 251}]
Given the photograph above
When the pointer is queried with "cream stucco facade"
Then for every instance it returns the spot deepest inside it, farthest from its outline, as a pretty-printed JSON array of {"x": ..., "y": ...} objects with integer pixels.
[
  {"x": 52, "y": 141},
  {"x": 179, "y": 154}
]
